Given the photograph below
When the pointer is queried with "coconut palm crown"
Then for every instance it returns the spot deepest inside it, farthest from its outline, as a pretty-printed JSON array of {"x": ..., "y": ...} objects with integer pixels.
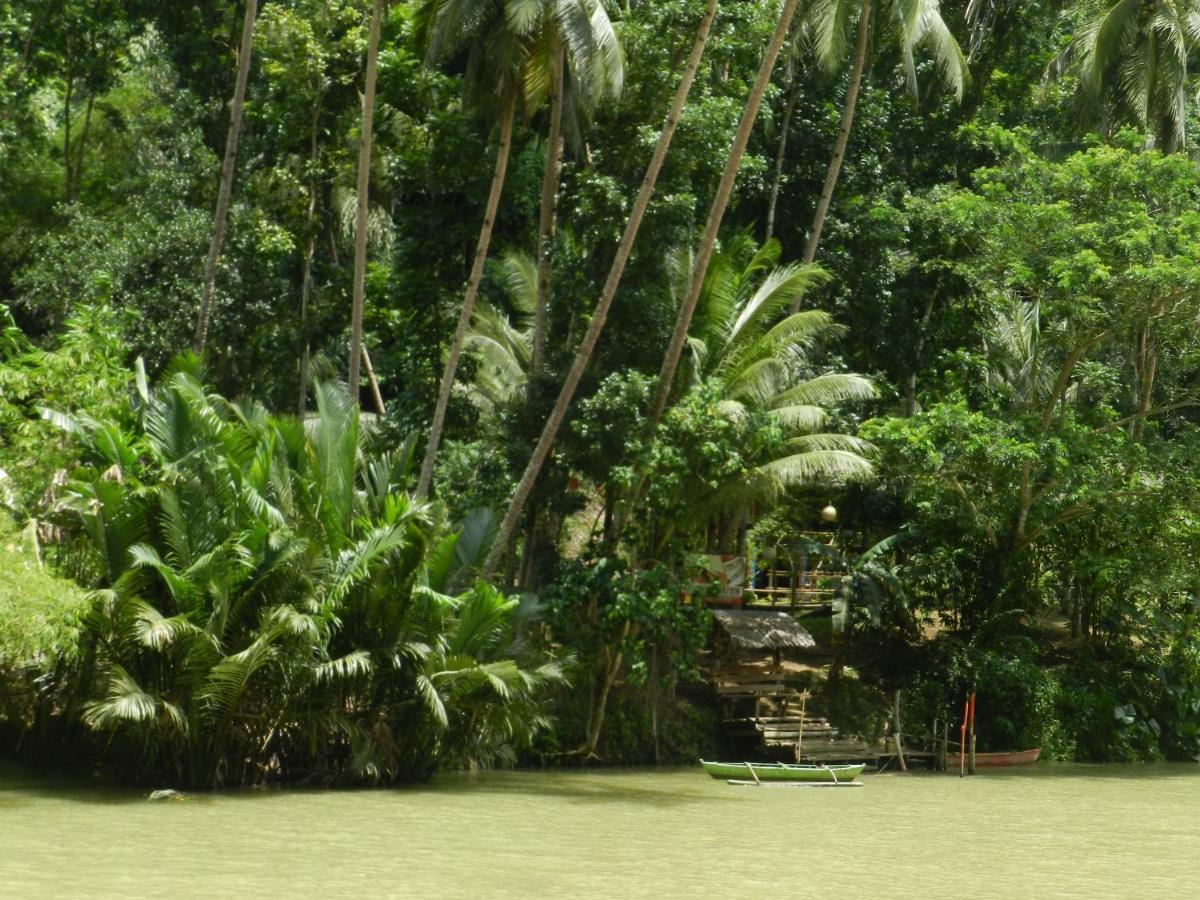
[
  {"x": 1140, "y": 49},
  {"x": 745, "y": 345}
]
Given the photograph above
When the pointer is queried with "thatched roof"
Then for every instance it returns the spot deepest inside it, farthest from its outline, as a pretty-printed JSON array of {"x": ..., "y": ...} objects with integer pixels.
[{"x": 752, "y": 630}]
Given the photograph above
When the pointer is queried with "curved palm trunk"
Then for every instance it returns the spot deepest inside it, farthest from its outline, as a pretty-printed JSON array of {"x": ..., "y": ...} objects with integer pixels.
[
  {"x": 364, "y": 185},
  {"x": 464, "y": 318},
  {"x": 550, "y": 183},
  {"x": 843, "y": 138},
  {"x": 583, "y": 356},
  {"x": 221, "y": 216},
  {"x": 788, "y": 111},
  {"x": 708, "y": 242}
]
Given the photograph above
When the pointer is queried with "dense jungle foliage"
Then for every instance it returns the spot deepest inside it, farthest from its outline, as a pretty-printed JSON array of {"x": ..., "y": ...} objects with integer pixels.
[{"x": 374, "y": 376}]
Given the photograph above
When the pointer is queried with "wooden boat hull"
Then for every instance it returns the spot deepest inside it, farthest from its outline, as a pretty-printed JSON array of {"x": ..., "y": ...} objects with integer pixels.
[
  {"x": 782, "y": 772},
  {"x": 996, "y": 760},
  {"x": 794, "y": 784}
]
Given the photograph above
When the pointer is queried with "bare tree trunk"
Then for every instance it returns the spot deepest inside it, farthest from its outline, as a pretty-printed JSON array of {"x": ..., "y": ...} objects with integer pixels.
[
  {"x": 310, "y": 252},
  {"x": 910, "y": 380},
  {"x": 364, "y": 198},
  {"x": 550, "y": 182},
  {"x": 843, "y": 138},
  {"x": 375, "y": 394},
  {"x": 67, "y": 126},
  {"x": 1147, "y": 368},
  {"x": 683, "y": 322},
  {"x": 74, "y": 176},
  {"x": 612, "y": 669},
  {"x": 464, "y": 317},
  {"x": 600, "y": 314},
  {"x": 785, "y": 126},
  {"x": 221, "y": 215},
  {"x": 305, "y": 297}
]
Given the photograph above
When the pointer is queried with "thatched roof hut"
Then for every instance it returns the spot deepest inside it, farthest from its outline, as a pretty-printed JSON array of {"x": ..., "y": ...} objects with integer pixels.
[{"x": 766, "y": 630}]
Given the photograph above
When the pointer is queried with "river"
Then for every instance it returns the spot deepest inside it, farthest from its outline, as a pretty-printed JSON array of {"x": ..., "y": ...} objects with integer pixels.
[{"x": 1045, "y": 832}]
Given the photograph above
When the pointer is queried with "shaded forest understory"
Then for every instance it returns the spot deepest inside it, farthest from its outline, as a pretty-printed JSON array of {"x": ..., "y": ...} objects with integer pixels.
[{"x": 380, "y": 380}]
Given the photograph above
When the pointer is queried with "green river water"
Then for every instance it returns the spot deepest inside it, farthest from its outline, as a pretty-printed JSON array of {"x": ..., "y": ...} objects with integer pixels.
[{"x": 1044, "y": 832}]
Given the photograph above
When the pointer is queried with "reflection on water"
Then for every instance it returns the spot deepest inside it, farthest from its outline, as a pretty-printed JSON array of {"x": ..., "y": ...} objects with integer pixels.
[{"x": 1046, "y": 832}]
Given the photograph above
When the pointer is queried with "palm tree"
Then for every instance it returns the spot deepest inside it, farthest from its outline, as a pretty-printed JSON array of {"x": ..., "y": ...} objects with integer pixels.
[
  {"x": 587, "y": 346},
  {"x": 597, "y": 71},
  {"x": 496, "y": 54},
  {"x": 1141, "y": 49},
  {"x": 272, "y": 602},
  {"x": 910, "y": 23},
  {"x": 750, "y": 354},
  {"x": 227, "y": 166},
  {"x": 364, "y": 181},
  {"x": 505, "y": 343},
  {"x": 666, "y": 376},
  {"x": 502, "y": 64}
]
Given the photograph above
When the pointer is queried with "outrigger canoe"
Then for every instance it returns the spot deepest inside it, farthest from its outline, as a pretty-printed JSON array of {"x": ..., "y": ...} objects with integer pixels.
[{"x": 782, "y": 772}]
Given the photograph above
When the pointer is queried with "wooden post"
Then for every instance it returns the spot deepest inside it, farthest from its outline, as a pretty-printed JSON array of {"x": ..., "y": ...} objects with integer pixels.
[
  {"x": 971, "y": 736},
  {"x": 771, "y": 578},
  {"x": 800, "y": 730},
  {"x": 899, "y": 744},
  {"x": 943, "y": 750},
  {"x": 962, "y": 740}
]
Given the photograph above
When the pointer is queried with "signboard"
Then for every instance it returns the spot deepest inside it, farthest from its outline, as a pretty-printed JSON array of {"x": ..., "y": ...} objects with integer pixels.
[{"x": 728, "y": 573}]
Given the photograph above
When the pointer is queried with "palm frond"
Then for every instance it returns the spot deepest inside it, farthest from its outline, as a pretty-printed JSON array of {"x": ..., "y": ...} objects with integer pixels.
[
  {"x": 815, "y": 467},
  {"x": 825, "y": 390}
]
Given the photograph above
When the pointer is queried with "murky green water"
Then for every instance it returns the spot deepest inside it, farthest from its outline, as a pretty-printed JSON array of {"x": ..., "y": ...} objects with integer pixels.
[{"x": 1053, "y": 831}]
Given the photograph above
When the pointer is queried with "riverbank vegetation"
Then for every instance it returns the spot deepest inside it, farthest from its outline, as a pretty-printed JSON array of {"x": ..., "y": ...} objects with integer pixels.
[{"x": 376, "y": 377}]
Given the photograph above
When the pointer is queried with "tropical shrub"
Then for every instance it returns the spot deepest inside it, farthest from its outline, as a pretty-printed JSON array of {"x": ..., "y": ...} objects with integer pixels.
[
  {"x": 271, "y": 603},
  {"x": 85, "y": 371},
  {"x": 640, "y": 627},
  {"x": 40, "y": 621}
]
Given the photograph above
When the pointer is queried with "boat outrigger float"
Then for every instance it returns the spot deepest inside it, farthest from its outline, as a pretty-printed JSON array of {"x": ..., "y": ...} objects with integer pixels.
[{"x": 747, "y": 773}]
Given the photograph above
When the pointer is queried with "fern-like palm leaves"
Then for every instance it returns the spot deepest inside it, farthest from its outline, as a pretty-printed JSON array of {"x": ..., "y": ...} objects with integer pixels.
[
  {"x": 266, "y": 613},
  {"x": 746, "y": 345}
]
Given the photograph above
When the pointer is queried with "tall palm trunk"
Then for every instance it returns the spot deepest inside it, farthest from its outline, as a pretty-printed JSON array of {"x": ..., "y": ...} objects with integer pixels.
[
  {"x": 843, "y": 138},
  {"x": 780, "y": 154},
  {"x": 364, "y": 185},
  {"x": 583, "y": 356},
  {"x": 550, "y": 183},
  {"x": 227, "y": 166},
  {"x": 708, "y": 242},
  {"x": 464, "y": 318}
]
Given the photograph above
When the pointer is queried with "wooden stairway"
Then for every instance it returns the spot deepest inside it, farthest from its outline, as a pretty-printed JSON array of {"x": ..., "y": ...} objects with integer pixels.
[{"x": 777, "y": 714}]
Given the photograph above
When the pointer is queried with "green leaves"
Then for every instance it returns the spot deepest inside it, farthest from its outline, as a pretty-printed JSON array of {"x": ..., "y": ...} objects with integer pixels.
[{"x": 273, "y": 607}]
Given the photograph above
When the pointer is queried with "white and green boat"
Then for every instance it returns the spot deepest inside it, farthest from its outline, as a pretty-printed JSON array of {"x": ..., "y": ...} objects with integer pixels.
[{"x": 756, "y": 773}]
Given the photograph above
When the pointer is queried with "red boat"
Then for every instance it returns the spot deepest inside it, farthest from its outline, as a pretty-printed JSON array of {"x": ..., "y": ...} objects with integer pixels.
[{"x": 996, "y": 760}]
